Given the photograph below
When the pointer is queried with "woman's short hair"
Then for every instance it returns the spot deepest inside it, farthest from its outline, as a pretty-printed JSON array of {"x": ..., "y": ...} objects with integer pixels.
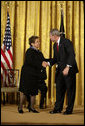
[{"x": 32, "y": 39}]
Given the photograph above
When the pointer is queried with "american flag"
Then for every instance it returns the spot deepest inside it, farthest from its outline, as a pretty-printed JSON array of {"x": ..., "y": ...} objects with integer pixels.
[{"x": 6, "y": 54}]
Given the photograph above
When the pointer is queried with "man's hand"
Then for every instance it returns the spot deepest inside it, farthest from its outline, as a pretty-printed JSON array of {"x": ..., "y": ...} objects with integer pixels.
[
  {"x": 44, "y": 64},
  {"x": 66, "y": 70}
]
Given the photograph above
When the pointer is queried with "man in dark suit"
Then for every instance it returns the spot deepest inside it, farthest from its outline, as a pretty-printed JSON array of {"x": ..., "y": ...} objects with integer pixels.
[{"x": 65, "y": 78}]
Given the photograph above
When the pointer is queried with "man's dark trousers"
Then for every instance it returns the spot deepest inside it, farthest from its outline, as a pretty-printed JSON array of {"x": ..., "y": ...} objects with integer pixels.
[{"x": 63, "y": 84}]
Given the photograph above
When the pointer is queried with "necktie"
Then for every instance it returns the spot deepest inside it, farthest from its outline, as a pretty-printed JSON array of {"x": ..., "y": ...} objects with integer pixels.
[{"x": 57, "y": 48}]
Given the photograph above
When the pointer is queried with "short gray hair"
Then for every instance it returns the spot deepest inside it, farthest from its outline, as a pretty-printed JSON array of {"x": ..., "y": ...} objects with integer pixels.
[{"x": 55, "y": 32}]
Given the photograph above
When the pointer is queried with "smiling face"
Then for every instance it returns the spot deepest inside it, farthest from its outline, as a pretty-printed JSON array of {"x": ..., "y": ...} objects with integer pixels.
[
  {"x": 54, "y": 38},
  {"x": 36, "y": 44}
]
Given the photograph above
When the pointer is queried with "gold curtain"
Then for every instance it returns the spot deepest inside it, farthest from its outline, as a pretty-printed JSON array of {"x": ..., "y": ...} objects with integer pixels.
[{"x": 29, "y": 18}]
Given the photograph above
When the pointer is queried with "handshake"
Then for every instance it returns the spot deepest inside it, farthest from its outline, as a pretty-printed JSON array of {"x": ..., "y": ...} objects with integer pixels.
[{"x": 45, "y": 64}]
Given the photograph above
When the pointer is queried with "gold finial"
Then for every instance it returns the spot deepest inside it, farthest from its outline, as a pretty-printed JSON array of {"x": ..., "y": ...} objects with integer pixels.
[
  {"x": 61, "y": 4},
  {"x": 7, "y": 3}
]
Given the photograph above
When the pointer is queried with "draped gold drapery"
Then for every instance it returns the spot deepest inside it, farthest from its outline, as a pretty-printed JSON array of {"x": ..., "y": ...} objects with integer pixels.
[{"x": 29, "y": 18}]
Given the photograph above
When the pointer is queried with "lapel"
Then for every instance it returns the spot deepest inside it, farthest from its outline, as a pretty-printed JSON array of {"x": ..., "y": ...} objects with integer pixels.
[{"x": 60, "y": 44}]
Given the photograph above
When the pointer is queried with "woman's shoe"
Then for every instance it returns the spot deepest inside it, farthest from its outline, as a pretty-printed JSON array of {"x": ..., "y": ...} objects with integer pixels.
[
  {"x": 33, "y": 110},
  {"x": 20, "y": 110}
]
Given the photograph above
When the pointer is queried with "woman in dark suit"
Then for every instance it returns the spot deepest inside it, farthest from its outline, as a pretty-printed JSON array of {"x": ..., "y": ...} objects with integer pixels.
[{"x": 32, "y": 72}]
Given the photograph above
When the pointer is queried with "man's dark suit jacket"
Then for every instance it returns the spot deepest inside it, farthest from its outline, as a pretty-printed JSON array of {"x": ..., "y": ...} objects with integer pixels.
[{"x": 65, "y": 56}]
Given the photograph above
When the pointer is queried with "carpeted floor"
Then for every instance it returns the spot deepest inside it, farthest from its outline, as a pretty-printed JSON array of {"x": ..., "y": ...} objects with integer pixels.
[{"x": 10, "y": 116}]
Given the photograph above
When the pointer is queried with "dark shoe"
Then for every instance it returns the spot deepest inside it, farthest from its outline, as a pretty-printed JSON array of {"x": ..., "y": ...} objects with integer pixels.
[
  {"x": 67, "y": 112},
  {"x": 55, "y": 111},
  {"x": 33, "y": 110},
  {"x": 20, "y": 110}
]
